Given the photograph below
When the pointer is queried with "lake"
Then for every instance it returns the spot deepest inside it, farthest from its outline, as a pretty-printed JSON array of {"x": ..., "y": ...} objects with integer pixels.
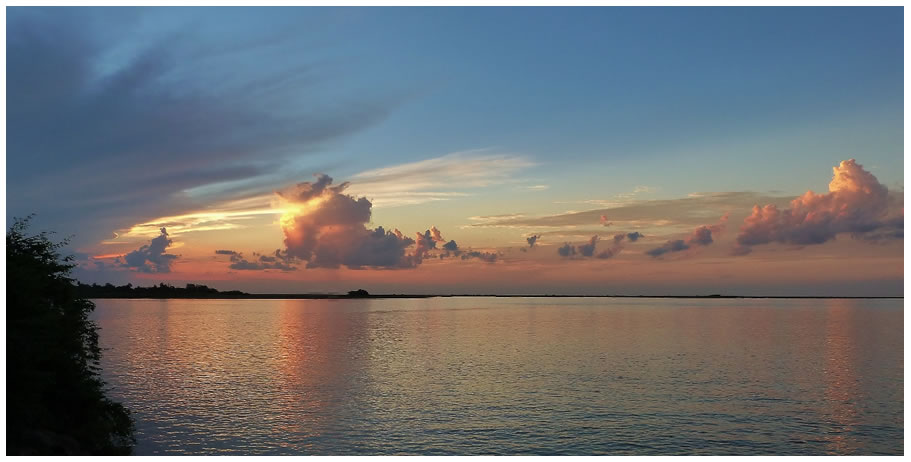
[{"x": 482, "y": 375}]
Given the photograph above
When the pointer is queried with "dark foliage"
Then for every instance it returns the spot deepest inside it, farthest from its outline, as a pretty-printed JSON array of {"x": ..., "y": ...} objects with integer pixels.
[
  {"x": 358, "y": 293},
  {"x": 54, "y": 394},
  {"x": 162, "y": 290}
]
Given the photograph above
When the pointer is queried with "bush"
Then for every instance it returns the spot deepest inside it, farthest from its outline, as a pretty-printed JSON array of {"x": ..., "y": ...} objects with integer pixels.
[{"x": 54, "y": 394}]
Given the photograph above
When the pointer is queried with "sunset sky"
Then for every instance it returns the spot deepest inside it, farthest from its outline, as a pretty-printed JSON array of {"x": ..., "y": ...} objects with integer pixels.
[{"x": 465, "y": 150}]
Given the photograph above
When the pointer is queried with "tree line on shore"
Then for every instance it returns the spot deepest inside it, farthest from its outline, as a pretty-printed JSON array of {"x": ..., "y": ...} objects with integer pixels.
[{"x": 162, "y": 290}]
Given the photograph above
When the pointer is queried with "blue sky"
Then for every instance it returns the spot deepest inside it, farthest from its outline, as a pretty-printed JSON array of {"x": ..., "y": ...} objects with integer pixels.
[{"x": 154, "y": 112}]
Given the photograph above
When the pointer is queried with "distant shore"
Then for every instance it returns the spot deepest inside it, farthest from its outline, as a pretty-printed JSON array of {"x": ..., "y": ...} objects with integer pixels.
[{"x": 385, "y": 296}]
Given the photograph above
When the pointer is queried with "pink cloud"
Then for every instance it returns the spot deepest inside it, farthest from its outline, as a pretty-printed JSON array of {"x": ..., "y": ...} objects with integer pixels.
[{"x": 856, "y": 203}]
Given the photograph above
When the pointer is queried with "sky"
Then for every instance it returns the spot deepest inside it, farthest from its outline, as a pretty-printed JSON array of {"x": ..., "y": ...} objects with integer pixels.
[{"x": 608, "y": 150}]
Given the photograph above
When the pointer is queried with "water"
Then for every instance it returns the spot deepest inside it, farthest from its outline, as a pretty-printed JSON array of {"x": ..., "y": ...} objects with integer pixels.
[{"x": 508, "y": 375}]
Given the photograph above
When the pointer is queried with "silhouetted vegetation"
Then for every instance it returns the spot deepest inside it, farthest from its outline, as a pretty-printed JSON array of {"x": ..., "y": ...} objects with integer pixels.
[
  {"x": 162, "y": 290},
  {"x": 358, "y": 293},
  {"x": 54, "y": 394}
]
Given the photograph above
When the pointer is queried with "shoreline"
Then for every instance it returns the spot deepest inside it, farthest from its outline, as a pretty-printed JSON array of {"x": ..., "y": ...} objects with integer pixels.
[{"x": 413, "y": 296}]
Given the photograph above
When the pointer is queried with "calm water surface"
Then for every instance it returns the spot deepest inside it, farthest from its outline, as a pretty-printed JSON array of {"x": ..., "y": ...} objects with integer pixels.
[{"x": 508, "y": 375}]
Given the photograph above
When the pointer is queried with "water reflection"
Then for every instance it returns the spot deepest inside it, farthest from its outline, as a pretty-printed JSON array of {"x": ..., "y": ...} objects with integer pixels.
[
  {"x": 842, "y": 391},
  {"x": 508, "y": 376}
]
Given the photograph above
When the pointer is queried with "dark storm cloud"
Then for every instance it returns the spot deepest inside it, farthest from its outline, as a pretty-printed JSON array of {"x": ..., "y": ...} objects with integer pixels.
[{"x": 100, "y": 138}]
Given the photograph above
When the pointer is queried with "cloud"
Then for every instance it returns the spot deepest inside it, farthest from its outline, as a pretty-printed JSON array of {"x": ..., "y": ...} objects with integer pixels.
[
  {"x": 701, "y": 236},
  {"x": 150, "y": 258},
  {"x": 588, "y": 249},
  {"x": 566, "y": 250},
  {"x": 303, "y": 192},
  {"x": 489, "y": 257},
  {"x": 604, "y": 221},
  {"x": 634, "y": 236},
  {"x": 683, "y": 213},
  {"x": 532, "y": 240},
  {"x": 856, "y": 203},
  {"x": 670, "y": 246},
  {"x": 441, "y": 178},
  {"x": 451, "y": 249},
  {"x": 141, "y": 117},
  {"x": 328, "y": 230},
  {"x": 424, "y": 243},
  {"x": 435, "y": 234},
  {"x": 278, "y": 260}
]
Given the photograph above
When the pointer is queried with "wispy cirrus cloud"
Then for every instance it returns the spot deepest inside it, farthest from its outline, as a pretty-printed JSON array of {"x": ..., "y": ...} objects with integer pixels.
[
  {"x": 140, "y": 120},
  {"x": 441, "y": 178},
  {"x": 640, "y": 214}
]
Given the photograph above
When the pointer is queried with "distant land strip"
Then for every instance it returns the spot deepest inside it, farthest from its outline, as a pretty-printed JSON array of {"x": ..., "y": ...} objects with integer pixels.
[{"x": 198, "y": 291}]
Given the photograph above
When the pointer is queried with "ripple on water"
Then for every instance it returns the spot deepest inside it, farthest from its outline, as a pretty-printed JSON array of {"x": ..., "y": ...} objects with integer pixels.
[{"x": 508, "y": 376}]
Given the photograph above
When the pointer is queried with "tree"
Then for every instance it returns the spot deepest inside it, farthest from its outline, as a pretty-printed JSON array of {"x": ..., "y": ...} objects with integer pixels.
[{"x": 54, "y": 392}]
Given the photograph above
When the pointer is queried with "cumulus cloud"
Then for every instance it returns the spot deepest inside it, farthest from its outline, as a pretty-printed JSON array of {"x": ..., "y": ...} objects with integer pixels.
[
  {"x": 328, "y": 229},
  {"x": 150, "y": 258},
  {"x": 588, "y": 249},
  {"x": 278, "y": 260},
  {"x": 856, "y": 203},
  {"x": 669, "y": 246},
  {"x": 303, "y": 192},
  {"x": 532, "y": 240},
  {"x": 451, "y": 248},
  {"x": 435, "y": 234},
  {"x": 424, "y": 243},
  {"x": 701, "y": 236},
  {"x": 489, "y": 257},
  {"x": 566, "y": 250}
]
